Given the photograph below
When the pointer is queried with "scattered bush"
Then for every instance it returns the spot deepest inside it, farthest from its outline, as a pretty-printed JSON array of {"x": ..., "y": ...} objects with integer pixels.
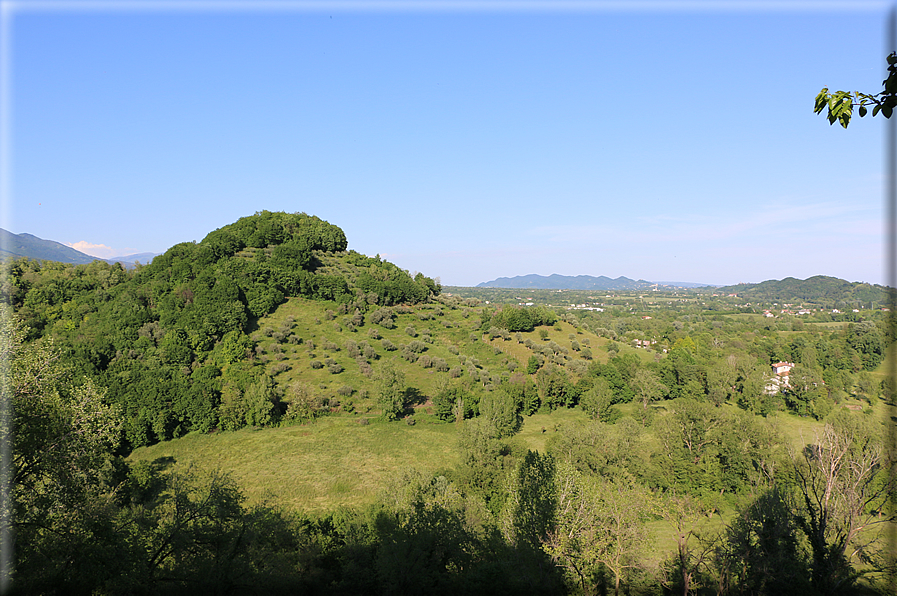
[
  {"x": 385, "y": 317},
  {"x": 579, "y": 367},
  {"x": 279, "y": 368},
  {"x": 366, "y": 369},
  {"x": 316, "y": 364}
]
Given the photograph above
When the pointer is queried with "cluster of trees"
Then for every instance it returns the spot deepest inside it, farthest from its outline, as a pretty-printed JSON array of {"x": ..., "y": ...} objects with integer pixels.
[{"x": 526, "y": 318}]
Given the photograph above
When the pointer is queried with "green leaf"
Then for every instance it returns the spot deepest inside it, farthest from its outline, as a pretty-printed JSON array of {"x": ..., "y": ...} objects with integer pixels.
[
  {"x": 863, "y": 111},
  {"x": 890, "y": 85},
  {"x": 886, "y": 110},
  {"x": 821, "y": 100}
]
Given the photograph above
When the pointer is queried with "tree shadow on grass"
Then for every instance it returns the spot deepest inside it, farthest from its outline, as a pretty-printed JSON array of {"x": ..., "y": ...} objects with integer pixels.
[{"x": 413, "y": 397}]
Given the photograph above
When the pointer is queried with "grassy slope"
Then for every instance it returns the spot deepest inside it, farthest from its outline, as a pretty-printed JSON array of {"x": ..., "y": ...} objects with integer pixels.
[
  {"x": 318, "y": 467},
  {"x": 450, "y": 330}
]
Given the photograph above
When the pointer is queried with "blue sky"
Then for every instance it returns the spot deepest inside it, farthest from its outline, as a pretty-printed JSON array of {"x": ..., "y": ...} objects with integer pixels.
[{"x": 661, "y": 141}]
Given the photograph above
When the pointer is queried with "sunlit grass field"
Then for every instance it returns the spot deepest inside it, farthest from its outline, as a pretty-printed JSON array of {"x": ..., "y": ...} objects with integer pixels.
[{"x": 315, "y": 468}]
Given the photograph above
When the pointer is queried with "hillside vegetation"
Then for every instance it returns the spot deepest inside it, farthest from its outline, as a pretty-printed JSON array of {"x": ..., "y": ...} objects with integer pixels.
[
  {"x": 821, "y": 289},
  {"x": 266, "y": 411}
]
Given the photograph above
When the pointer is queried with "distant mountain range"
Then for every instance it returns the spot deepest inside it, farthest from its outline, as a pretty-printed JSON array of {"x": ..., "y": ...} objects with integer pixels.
[
  {"x": 32, "y": 247},
  {"x": 583, "y": 282}
]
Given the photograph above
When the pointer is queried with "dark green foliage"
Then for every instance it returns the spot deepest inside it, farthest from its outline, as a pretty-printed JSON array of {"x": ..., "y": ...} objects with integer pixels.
[
  {"x": 532, "y": 365},
  {"x": 517, "y": 318},
  {"x": 390, "y": 390},
  {"x": 760, "y": 550},
  {"x": 554, "y": 386},
  {"x": 530, "y": 507},
  {"x": 392, "y": 285},
  {"x": 501, "y": 409},
  {"x": 598, "y": 401}
]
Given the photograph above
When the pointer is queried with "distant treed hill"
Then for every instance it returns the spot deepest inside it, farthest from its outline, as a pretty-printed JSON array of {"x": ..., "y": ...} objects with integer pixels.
[
  {"x": 32, "y": 247},
  {"x": 819, "y": 289}
]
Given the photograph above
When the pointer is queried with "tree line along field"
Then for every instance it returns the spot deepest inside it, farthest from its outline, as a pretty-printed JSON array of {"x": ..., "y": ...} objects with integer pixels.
[{"x": 266, "y": 411}]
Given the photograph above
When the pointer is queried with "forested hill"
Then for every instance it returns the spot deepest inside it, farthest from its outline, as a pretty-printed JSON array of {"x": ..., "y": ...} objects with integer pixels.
[
  {"x": 27, "y": 245},
  {"x": 166, "y": 338},
  {"x": 819, "y": 289}
]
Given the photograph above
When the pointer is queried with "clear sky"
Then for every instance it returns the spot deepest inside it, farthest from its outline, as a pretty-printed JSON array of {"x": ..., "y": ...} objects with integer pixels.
[{"x": 664, "y": 141}]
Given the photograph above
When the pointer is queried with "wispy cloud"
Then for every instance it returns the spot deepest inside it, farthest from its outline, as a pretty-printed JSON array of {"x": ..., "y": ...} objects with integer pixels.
[{"x": 95, "y": 250}]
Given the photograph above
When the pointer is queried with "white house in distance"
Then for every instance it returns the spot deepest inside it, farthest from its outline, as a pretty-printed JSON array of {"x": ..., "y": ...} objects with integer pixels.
[
  {"x": 779, "y": 379},
  {"x": 782, "y": 368}
]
